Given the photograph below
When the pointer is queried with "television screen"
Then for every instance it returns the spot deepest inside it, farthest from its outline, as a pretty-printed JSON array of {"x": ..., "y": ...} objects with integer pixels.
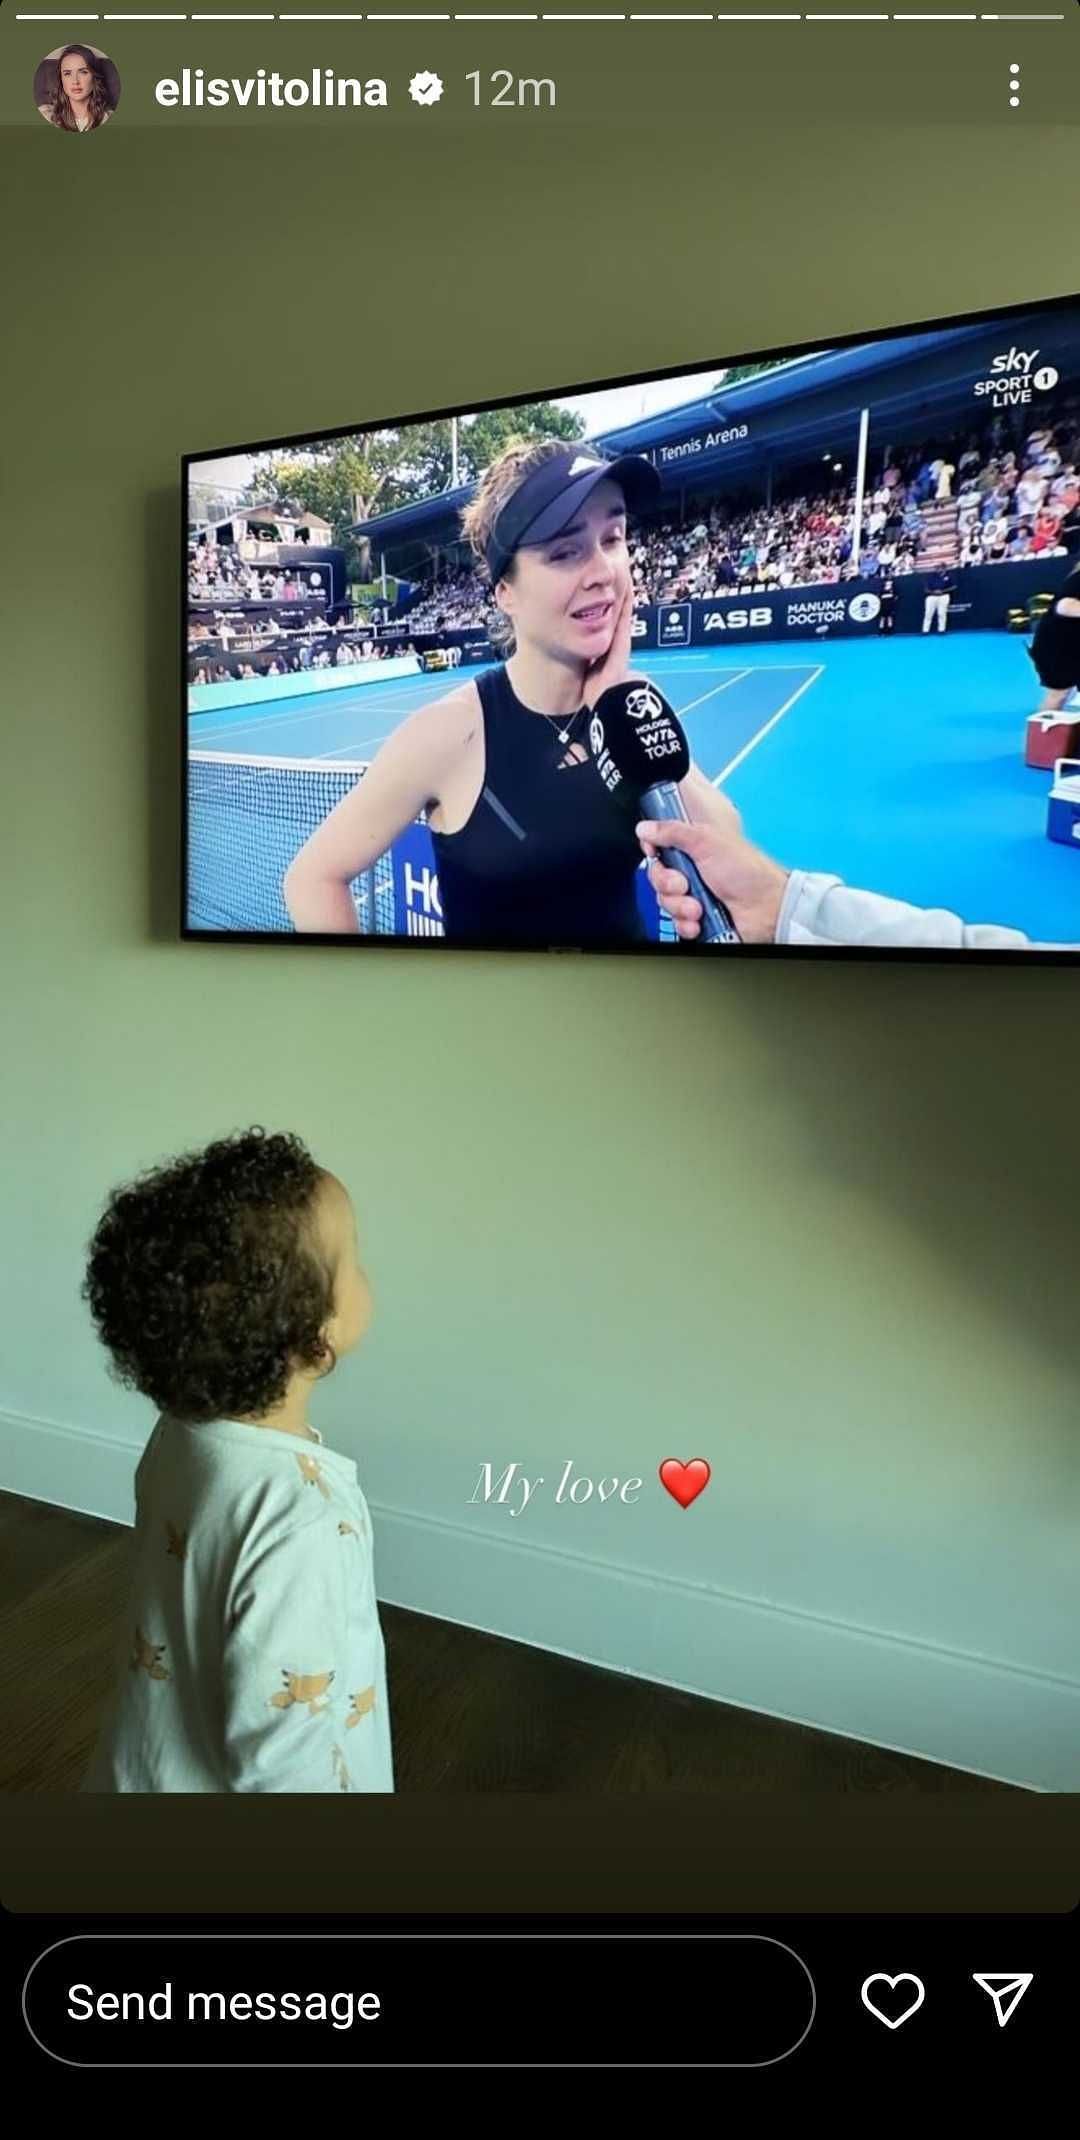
[{"x": 812, "y": 614}]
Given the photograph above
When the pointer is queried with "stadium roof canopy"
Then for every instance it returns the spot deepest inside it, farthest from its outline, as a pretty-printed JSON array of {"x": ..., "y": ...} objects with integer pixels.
[
  {"x": 266, "y": 516},
  {"x": 914, "y": 385}
]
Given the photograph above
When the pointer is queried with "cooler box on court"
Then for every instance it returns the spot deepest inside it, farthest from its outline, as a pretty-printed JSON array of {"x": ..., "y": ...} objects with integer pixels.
[
  {"x": 1063, "y": 815},
  {"x": 1050, "y": 737}
]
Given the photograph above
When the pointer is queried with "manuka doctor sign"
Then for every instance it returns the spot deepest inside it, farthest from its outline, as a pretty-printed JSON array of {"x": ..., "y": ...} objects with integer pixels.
[{"x": 826, "y": 609}]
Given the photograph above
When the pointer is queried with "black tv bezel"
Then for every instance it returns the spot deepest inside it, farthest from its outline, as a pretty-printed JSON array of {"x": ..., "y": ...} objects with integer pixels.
[{"x": 935, "y": 955}]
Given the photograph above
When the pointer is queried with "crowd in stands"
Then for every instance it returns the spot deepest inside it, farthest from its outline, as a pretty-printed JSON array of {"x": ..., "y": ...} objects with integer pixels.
[
  {"x": 216, "y": 573},
  {"x": 1005, "y": 496},
  {"x": 1012, "y": 501},
  {"x": 230, "y": 626},
  {"x": 288, "y": 660},
  {"x": 457, "y": 603},
  {"x": 1009, "y": 504}
]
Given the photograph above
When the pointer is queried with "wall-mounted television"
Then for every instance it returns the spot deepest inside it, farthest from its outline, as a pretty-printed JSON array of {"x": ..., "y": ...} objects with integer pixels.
[{"x": 434, "y": 663}]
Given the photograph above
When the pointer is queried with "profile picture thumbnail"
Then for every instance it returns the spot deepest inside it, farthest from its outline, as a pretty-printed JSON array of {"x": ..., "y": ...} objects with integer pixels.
[{"x": 77, "y": 88}]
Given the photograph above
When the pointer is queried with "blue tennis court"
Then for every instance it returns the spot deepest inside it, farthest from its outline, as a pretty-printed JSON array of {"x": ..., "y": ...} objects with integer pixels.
[{"x": 895, "y": 764}]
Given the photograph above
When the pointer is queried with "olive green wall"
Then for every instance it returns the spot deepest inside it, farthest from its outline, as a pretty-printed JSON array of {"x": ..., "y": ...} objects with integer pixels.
[{"x": 818, "y": 1225}]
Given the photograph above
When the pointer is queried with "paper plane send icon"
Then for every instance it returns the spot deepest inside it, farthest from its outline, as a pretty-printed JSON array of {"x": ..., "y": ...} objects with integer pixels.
[{"x": 1006, "y": 1992}]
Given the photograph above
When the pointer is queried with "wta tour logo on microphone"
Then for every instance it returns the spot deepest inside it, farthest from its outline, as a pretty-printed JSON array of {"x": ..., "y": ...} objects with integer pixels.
[
  {"x": 644, "y": 704},
  {"x": 635, "y": 738}
]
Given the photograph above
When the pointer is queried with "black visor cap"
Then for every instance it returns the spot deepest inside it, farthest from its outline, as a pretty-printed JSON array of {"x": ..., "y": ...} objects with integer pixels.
[{"x": 554, "y": 493}]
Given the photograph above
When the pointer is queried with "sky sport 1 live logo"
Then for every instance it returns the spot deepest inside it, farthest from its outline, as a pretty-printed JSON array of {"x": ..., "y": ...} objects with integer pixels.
[{"x": 1014, "y": 378}]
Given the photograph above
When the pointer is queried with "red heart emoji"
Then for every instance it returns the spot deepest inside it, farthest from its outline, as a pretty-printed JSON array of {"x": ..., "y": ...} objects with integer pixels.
[{"x": 685, "y": 1481}]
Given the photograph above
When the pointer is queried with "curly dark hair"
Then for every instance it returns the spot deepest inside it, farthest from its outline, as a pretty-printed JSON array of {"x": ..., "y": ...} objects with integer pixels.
[
  {"x": 100, "y": 101},
  {"x": 206, "y": 1281}
]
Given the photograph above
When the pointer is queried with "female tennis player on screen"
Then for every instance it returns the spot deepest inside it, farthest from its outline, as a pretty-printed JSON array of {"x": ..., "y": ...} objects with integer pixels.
[{"x": 529, "y": 848}]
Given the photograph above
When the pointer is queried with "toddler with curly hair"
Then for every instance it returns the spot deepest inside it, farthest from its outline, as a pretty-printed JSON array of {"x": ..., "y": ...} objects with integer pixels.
[{"x": 224, "y": 1285}]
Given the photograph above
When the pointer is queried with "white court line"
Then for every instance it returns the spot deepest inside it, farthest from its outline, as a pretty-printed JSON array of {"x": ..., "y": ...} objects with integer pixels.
[
  {"x": 357, "y": 750},
  {"x": 276, "y": 720},
  {"x": 359, "y": 746},
  {"x": 271, "y": 720},
  {"x": 347, "y": 748},
  {"x": 351, "y": 750},
  {"x": 755, "y": 740},
  {"x": 712, "y": 668},
  {"x": 689, "y": 707},
  {"x": 239, "y": 731}
]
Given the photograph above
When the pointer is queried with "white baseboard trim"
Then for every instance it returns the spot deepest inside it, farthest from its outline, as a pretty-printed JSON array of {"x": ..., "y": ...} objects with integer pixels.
[{"x": 987, "y": 1718}]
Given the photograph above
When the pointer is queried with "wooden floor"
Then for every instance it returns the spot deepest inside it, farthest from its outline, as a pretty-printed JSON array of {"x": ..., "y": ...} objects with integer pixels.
[{"x": 471, "y": 1712}]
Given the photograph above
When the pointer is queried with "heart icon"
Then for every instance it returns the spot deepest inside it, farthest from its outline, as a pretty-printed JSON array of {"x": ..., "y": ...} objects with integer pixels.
[
  {"x": 685, "y": 1482},
  {"x": 893, "y": 2021}
]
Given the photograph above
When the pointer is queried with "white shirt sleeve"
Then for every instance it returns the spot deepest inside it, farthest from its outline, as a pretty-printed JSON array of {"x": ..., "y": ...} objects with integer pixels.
[
  {"x": 819, "y": 909},
  {"x": 285, "y": 1660}
]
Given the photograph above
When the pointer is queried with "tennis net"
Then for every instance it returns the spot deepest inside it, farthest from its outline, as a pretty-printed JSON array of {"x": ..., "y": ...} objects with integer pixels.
[
  {"x": 249, "y": 817},
  {"x": 247, "y": 820}
]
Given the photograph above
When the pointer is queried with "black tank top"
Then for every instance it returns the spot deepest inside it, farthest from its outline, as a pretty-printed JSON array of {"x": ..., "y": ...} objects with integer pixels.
[
  {"x": 546, "y": 857},
  {"x": 1055, "y": 644}
]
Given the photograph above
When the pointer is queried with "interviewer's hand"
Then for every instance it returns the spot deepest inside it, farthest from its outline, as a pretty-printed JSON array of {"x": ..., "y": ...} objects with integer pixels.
[{"x": 751, "y": 886}]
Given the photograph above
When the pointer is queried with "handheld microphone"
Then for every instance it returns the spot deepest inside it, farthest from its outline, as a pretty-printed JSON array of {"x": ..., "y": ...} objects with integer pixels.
[{"x": 641, "y": 754}]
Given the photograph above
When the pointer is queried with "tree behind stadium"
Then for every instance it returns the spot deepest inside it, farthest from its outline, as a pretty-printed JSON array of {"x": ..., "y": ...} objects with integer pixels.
[{"x": 349, "y": 479}]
